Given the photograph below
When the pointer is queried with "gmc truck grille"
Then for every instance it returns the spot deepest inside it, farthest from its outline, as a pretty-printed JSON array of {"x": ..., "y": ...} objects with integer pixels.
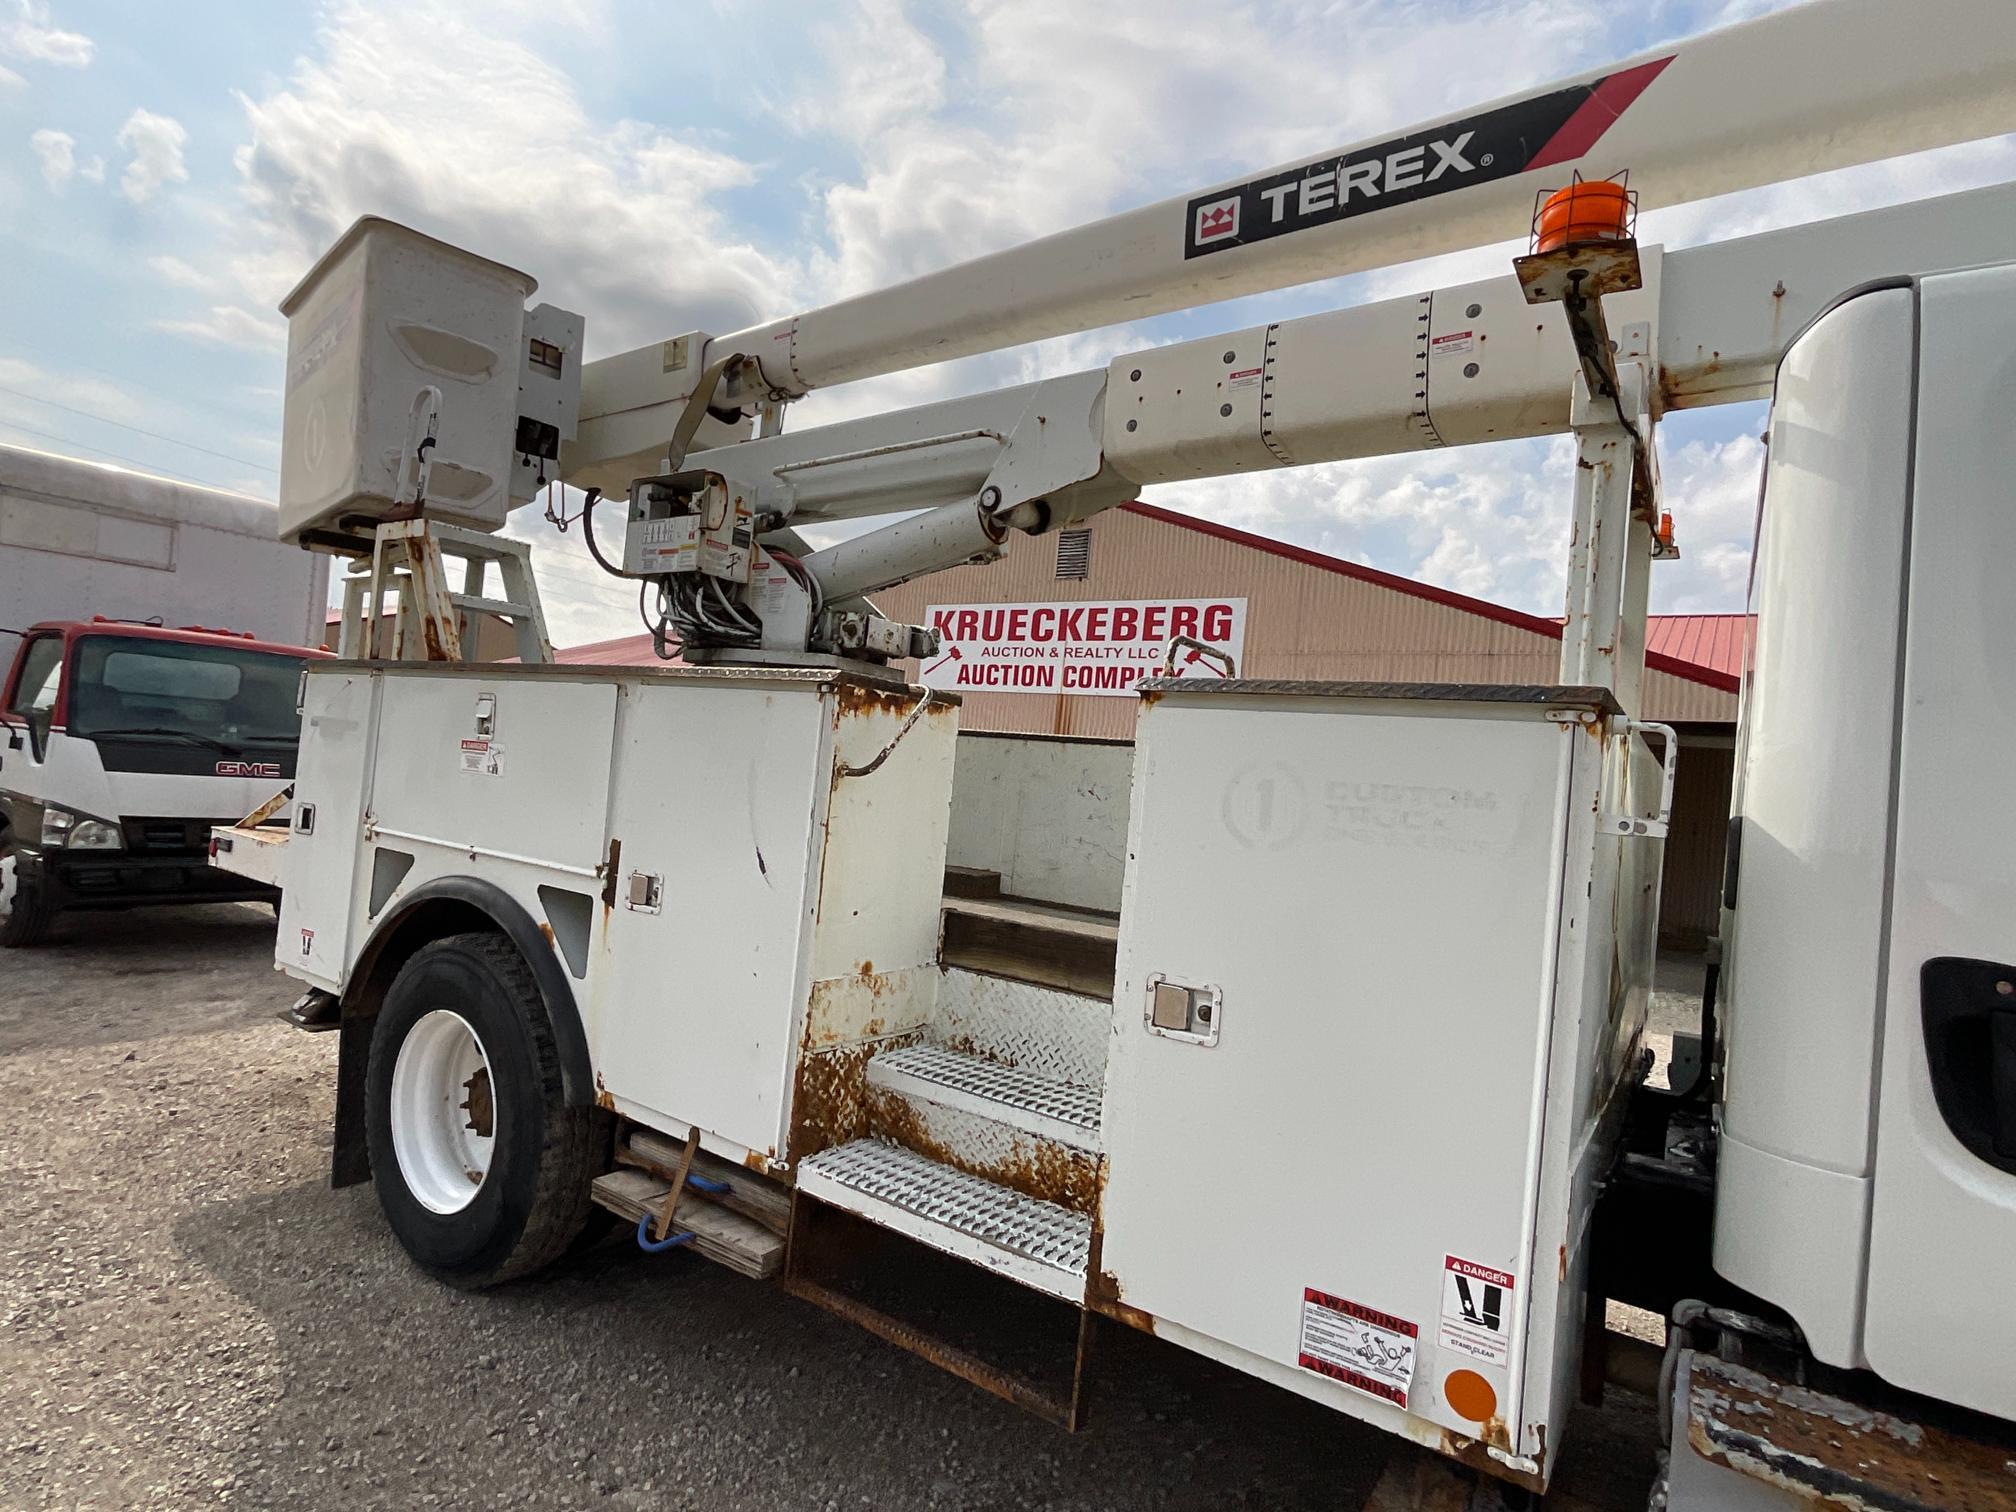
[{"x": 160, "y": 837}]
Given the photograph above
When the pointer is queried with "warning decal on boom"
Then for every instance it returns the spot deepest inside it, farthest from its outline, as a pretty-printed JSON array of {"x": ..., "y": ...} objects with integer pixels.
[{"x": 1557, "y": 127}]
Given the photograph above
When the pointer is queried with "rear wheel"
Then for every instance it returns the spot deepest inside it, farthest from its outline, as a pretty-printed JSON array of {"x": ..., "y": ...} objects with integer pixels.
[
  {"x": 482, "y": 1169},
  {"x": 24, "y": 906}
]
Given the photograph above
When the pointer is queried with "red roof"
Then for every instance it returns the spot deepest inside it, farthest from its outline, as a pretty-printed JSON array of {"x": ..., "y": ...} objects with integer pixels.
[
  {"x": 1706, "y": 640},
  {"x": 1698, "y": 647},
  {"x": 624, "y": 651},
  {"x": 1714, "y": 674}
]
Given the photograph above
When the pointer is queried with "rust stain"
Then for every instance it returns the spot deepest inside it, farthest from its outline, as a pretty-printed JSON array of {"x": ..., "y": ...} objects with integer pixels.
[
  {"x": 867, "y": 969},
  {"x": 837, "y": 1015},
  {"x": 1102, "y": 1288},
  {"x": 865, "y": 698},
  {"x": 1564, "y": 1262},
  {"x": 1477, "y": 1455},
  {"x": 1496, "y": 1434},
  {"x": 1034, "y": 1167},
  {"x": 604, "y": 1100},
  {"x": 1832, "y": 1452},
  {"x": 546, "y": 929},
  {"x": 829, "y": 1103},
  {"x": 760, "y": 1161}
]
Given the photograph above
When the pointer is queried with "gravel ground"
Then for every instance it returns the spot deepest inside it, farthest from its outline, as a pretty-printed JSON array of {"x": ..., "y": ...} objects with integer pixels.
[{"x": 189, "y": 1316}]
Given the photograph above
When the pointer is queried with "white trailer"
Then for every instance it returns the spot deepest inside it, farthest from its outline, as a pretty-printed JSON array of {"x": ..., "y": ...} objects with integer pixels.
[
  {"x": 1348, "y": 1095},
  {"x": 79, "y": 539}
]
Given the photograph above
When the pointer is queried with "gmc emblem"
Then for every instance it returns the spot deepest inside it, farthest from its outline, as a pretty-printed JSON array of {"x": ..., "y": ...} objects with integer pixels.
[{"x": 247, "y": 769}]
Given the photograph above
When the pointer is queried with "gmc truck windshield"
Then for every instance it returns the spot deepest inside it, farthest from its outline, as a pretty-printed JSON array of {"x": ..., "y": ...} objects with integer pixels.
[{"x": 215, "y": 695}]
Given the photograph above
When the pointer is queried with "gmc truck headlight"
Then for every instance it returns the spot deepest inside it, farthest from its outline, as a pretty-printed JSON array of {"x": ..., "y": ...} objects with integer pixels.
[
  {"x": 63, "y": 830},
  {"x": 95, "y": 834}
]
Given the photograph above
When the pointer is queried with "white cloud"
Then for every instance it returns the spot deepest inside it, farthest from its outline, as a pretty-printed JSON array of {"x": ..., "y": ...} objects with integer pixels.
[
  {"x": 156, "y": 143},
  {"x": 55, "y": 154},
  {"x": 615, "y": 221},
  {"x": 10, "y": 79},
  {"x": 31, "y": 35},
  {"x": 178, "y": 274},
  {"x": 100, "y": 398},
  {"x": 231, "y": 325}
]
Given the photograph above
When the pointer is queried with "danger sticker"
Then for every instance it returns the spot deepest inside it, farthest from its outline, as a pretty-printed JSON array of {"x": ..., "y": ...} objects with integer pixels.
[
  {"x": 1451, "y": 344},
  {"x": 1368, "y": 1350},
  {"x": 1476, "y": 1310},
  {"x": 1243, "y": 379},
  {"x": 483, "y": 758}
]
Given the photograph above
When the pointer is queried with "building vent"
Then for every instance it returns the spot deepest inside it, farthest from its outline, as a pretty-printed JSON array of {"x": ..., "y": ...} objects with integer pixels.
[{"x": 1074, "y": 555}]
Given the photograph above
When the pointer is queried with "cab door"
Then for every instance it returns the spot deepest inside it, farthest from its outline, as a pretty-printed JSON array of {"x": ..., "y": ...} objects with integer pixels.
[{"x": 31, "y": 697}]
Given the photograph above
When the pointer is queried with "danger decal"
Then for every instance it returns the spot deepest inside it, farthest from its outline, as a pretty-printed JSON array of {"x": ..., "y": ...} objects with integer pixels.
[
  {"x": 1556, "y": 127},
  {"x": 1102, "y": 648},
  {"x": 1367, "y": 1350},
  {"x": 1476, "y": 1310}
]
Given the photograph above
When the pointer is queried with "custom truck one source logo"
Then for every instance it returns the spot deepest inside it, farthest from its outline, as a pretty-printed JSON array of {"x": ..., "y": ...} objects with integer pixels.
[
  {"x": 247, "y": 769},
  {"x": 1557, "y": 127}
]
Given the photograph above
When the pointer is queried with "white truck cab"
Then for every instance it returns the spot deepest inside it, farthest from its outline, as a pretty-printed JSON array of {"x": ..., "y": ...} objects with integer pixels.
[{"x": 120, "y": 746}]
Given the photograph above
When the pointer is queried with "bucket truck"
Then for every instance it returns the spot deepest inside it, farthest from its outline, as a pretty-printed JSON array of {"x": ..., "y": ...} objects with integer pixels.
[{"x": 667, "y": 939}]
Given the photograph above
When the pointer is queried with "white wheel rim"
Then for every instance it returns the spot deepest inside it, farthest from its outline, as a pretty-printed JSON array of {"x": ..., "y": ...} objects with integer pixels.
[
  {"x": 7, "y": 885},
  {"x": 444, "y": 1118}
]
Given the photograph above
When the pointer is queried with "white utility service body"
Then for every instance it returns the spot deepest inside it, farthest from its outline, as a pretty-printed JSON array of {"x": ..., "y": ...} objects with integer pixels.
[{"x": 1380, "y": 972}]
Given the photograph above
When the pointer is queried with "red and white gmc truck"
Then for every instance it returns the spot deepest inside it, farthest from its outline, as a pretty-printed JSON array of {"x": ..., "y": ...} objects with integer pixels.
[{"x": 122, "y": 741}]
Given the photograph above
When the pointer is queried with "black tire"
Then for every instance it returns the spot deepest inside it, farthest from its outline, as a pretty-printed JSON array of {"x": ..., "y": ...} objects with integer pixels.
[
  {"x": 534, "y": 1200},
  {"x": 25, "y": 921}
]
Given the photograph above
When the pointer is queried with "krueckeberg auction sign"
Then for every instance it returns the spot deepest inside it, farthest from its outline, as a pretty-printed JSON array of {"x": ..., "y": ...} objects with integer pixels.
[{"x": 1101, "y": 649}]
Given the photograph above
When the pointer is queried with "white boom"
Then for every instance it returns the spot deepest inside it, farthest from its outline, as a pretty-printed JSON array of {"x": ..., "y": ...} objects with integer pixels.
[{"x": 1817, "y": 87}]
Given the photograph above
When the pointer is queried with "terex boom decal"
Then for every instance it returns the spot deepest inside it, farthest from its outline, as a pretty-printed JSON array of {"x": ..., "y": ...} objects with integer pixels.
[{"x": 1551, "y": 128}]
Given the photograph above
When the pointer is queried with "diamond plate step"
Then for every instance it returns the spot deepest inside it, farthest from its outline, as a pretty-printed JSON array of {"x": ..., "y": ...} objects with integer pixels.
[
  {"x": 1022, "y": 1099},
  {"x": 1061, "y": 1035},
  {"x": 1024, "y": 1238}
]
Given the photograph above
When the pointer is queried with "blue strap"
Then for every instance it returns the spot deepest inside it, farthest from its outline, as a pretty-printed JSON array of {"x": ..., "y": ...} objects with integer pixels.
[
  {"x": 709, "y": 1184},
  {"x": 652, "y": 1246}
]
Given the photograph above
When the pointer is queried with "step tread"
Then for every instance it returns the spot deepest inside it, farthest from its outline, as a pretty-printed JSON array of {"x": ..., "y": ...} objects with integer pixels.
[
  {"x": 1038, "y": 1231},
  {"x": 1031, "y": 914},
  {"x": 1011, "y": 1087}
]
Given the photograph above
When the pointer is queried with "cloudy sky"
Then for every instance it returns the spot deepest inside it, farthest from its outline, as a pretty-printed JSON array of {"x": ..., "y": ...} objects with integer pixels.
[{"x": 171, "y": 170}]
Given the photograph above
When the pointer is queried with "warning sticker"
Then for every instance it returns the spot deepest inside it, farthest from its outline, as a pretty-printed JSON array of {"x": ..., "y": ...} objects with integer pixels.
[
  {"x": 1364, "y": 1348},
  {"x": 1245, "y": 378},
  {"x": 1451, "y": 344},
  {"x": 483, "y": 758},
  {"x": 1476, "y": 1310}
]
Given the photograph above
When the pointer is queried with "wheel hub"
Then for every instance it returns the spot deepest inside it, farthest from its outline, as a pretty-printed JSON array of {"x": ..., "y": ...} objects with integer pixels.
[{"x": 443, "y": 1112}]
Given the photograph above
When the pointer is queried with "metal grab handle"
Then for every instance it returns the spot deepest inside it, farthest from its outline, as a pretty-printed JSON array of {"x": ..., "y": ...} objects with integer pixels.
[{"x": 1669, "y": 766}]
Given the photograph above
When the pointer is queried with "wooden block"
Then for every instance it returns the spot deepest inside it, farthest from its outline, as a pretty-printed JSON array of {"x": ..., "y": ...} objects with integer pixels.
[
  {"x": 972, "y": 882},
  {"x": 726, "y": 1238},
  {"x": 750, "y": 1194}
]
